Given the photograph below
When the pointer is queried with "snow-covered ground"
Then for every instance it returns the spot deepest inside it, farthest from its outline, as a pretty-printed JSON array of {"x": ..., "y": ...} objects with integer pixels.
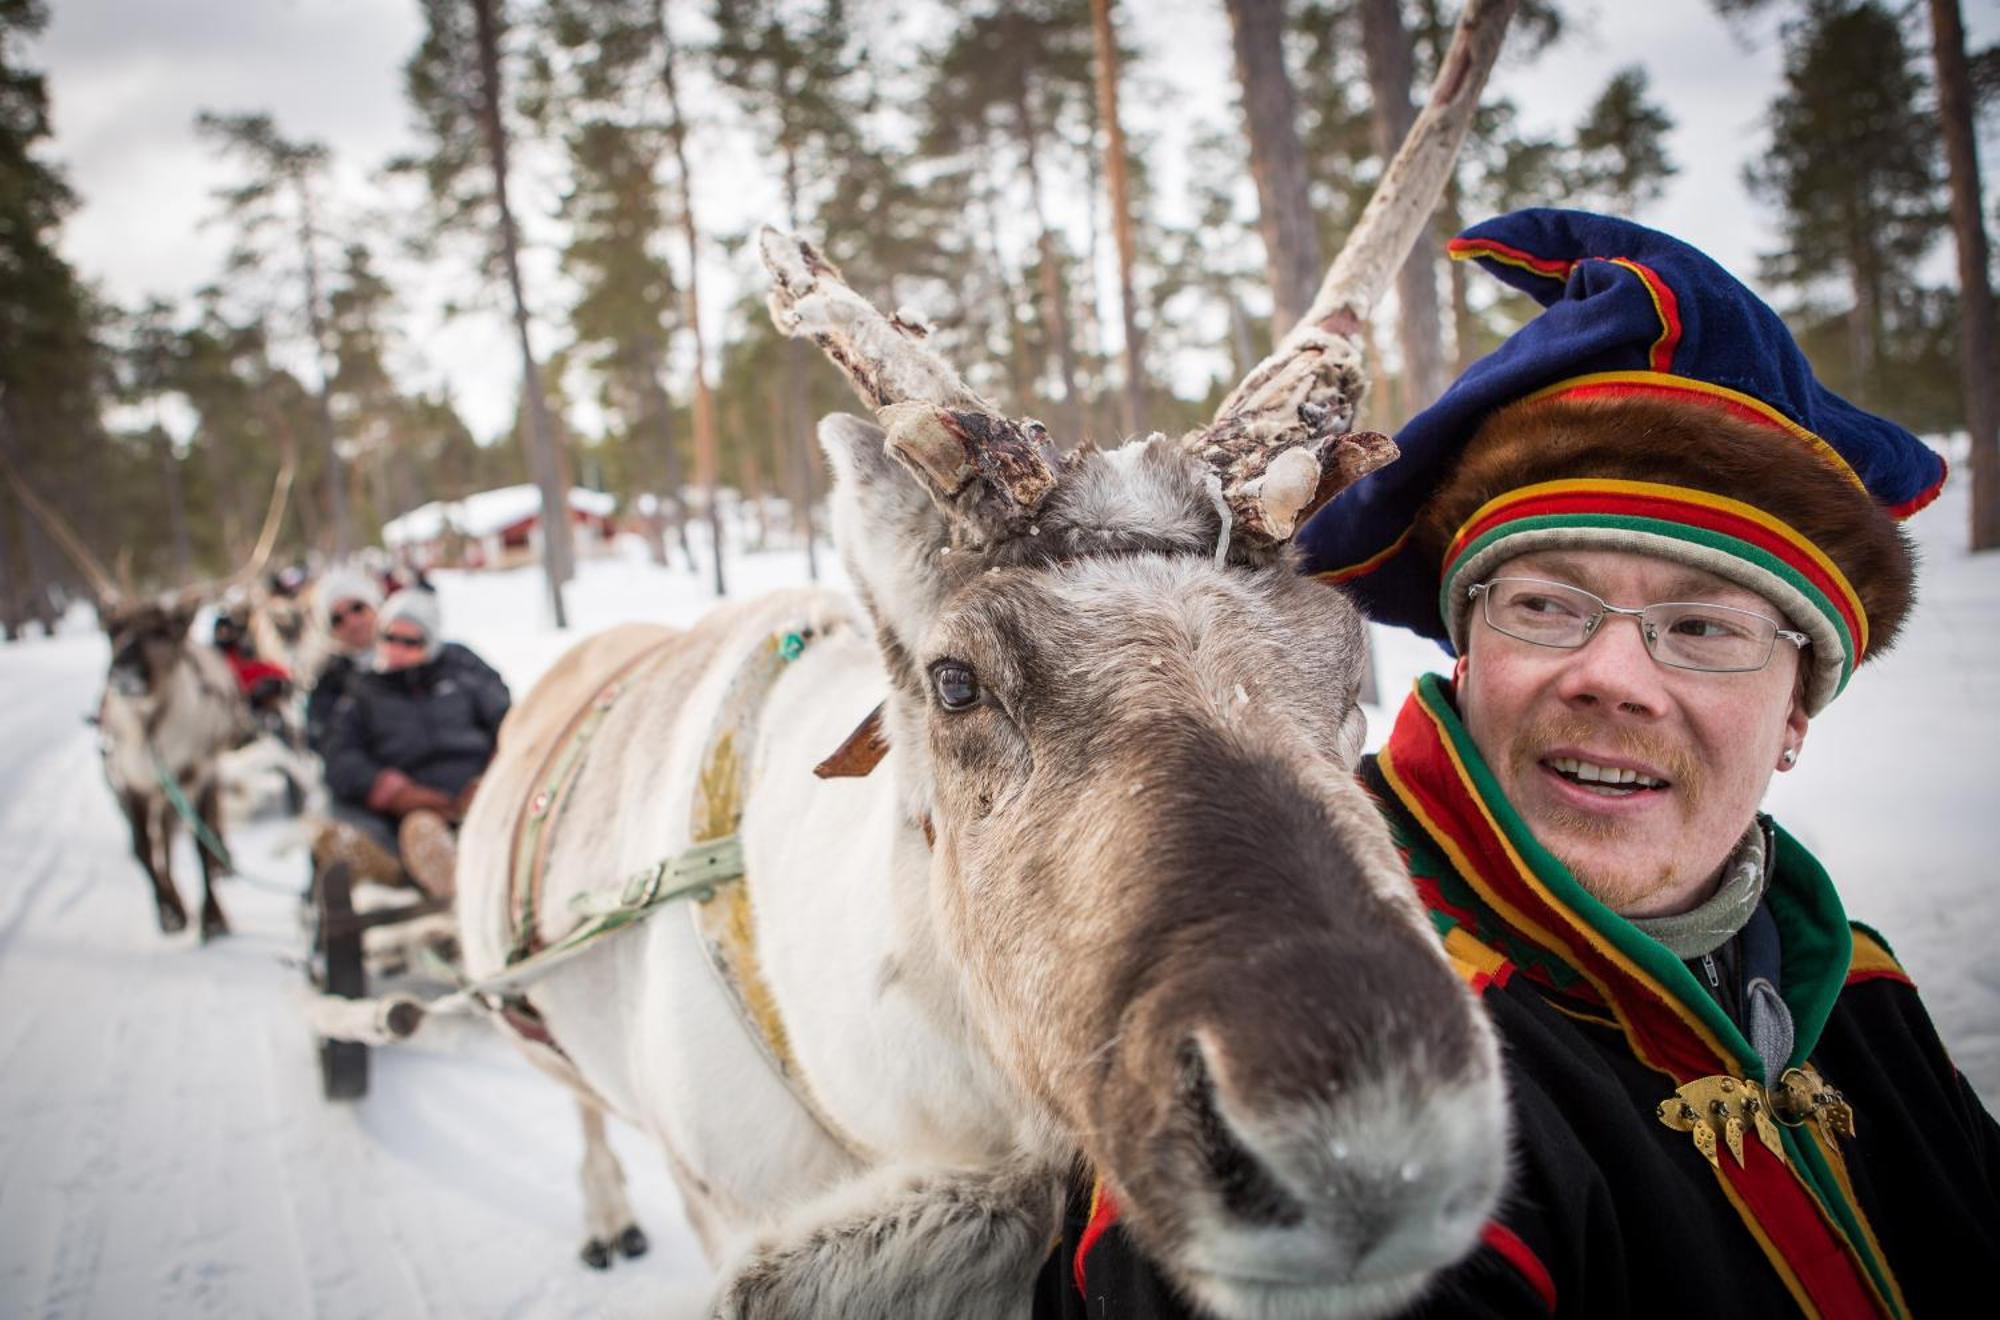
[{"x": 164, "y": 1150}]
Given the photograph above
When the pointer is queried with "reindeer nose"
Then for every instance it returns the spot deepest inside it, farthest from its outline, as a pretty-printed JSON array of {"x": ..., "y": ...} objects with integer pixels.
[
  {"x": 1311, "y": 1195},
  {"x": 1248, "y": 1189}
]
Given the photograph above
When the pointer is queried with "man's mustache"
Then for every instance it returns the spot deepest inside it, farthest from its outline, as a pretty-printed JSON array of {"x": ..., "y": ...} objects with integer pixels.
[{"x": 1667, "y": 756}]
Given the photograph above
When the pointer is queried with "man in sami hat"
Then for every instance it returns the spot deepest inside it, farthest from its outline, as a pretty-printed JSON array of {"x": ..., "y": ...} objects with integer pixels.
[{"x": 1657, "y": 547}]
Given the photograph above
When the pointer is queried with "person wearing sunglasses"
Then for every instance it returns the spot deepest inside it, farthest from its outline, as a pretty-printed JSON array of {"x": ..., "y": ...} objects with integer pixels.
[
  {"x": 347, "y": 601},
  {"x": 410, "y": 738},
  {"x": 1656, "y": 547}
]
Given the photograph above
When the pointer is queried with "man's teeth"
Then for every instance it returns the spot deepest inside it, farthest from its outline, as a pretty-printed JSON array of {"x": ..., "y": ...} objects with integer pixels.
[{"x": 1603, "y": 774}]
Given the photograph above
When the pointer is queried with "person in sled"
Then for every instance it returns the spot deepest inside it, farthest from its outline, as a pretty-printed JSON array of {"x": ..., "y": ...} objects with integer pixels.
[{"x": 406, "y": 744}]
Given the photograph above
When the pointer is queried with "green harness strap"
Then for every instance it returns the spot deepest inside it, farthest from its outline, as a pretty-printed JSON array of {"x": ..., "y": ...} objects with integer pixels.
[{"x": 185, "y": 810}]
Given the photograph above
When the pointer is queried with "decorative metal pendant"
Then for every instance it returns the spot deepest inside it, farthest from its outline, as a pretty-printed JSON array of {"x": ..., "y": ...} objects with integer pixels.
[
  {"x": 1717, "y": 1112},
  {"x": 1802, "y": 1095}
]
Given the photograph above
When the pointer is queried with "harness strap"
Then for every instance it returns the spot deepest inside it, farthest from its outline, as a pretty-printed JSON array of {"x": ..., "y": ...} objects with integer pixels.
[
  {"x": 723, "y": 921},
  {"x": 557, "y": 774},
  {"x": 206, "y": 837}
]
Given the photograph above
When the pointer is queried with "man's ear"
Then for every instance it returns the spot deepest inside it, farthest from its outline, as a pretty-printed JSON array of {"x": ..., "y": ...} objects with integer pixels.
[{"x": 1796, "y": 721}]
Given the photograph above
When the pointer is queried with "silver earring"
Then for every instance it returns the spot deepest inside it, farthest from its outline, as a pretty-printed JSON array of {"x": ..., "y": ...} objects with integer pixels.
[{"x": 1791, "y": 757}]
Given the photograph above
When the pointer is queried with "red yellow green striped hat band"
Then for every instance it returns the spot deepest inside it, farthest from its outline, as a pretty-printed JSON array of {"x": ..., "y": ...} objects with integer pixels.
[{"x": 1733, "y": 540}]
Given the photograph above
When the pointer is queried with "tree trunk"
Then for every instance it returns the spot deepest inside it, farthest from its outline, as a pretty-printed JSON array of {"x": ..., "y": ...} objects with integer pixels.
[
  {"x": 1464, "y": 326},
  {"x": 177, "y": 520},
  {"x": 1277, "y": 161},
  {"x": 1391, "y": 61},
  {"x": 662, "y": 409},
  {"x": 1121, "y": 212},
  {"x": 336, "y": 475},
  {"x": 707, "y": 458},
  {"x": 1976, "y": 344},
  {"x": 1242, "y": 342},
  {"x": 1055, "y": 311},
  {"x": 13, "y": 592},
  {"x": 1017, "y": 352},
  {"x": 542, "y": 460}
]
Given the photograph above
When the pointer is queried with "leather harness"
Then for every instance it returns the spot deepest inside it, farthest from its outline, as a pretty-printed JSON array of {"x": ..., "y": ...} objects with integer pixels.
[{"x": 711, "y": 868}]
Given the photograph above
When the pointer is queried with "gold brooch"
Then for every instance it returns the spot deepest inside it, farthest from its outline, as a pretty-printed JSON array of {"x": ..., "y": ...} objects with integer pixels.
[
  {"x": 1802, "y": 1095},
  {"x": 1718, "y": 1110}
]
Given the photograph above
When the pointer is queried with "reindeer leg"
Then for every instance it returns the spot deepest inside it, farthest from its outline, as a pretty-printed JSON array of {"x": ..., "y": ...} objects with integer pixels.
[
  {"x": 209, "y": 809},
  {"x": 606, "y": 1212},
  {"x": 904, "y": 1242},
  {"x": 166, "y": 901}
]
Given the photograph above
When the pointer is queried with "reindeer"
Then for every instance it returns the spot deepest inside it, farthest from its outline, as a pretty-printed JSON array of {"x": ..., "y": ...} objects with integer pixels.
[
  {"x": 170, "y": 708},
  {"x": 1111, "y": 894}
]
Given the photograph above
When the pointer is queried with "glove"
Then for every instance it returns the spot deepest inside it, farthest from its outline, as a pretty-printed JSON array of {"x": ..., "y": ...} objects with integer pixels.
[{"x": 396, "y": 794}]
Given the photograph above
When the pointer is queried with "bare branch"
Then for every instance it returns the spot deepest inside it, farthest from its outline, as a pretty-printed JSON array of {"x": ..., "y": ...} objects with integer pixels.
[
  {"x": 1301, "y": 400},
  {"x": 267, "y": 538},
  {"x": 101, "y": 583},
  {"x": 937, "y": 426}
]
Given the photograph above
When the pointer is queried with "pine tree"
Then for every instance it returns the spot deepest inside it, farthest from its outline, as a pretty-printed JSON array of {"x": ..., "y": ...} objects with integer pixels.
[
  {"x": 456, "y": 82},
  {"x": 1977, "y": 356},
  {"x": 1853, "y": 173},
  {"x": 277, "y": 212},
  {"x": 792, "y": 68},
  {"x": 1012, "y": 86},
  {"x": 604, "y": 67},
  {"x": 50, "y": 365}
]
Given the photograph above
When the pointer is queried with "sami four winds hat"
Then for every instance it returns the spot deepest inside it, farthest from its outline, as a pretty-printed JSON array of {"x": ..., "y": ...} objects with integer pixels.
[{"x": 1655, "y": 405}]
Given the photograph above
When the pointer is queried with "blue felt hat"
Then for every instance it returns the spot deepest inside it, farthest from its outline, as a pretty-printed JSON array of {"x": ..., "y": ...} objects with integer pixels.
[{"x": 1635, "y": 319}]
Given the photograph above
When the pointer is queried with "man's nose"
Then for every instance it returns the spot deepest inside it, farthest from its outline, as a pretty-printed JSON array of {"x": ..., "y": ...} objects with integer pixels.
[{"x": 1614, "y": 668}]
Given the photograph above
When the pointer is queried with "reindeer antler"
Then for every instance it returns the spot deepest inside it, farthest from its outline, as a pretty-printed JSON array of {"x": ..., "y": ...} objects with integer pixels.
[
  {"x": 101, "y": 583},
  {"x": 1280, "y": 443},
  {"x": 937, "y": 426},
  {"x": 267, "y": 537}
]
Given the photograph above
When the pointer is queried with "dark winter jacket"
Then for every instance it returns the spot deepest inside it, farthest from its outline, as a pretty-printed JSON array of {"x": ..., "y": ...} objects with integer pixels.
[
  {"x": 1888, "y": 1206},
  {"x": 434, "y": 723},
  {"x": 339, "y": 670}
]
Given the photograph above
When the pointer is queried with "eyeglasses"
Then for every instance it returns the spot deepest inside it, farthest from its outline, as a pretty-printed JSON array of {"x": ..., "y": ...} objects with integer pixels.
[
  {"x": 1715, "y": 639},
  {"x": 412, "y": 640},
  {"x": 342, "y": 613}
]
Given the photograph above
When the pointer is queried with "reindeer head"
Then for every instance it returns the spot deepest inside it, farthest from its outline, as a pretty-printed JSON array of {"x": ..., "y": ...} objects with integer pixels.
[
  {"x": 148, "y": 639},
  {"x": 149, "y": 636},
  {"x": 1181, "y": 926}
]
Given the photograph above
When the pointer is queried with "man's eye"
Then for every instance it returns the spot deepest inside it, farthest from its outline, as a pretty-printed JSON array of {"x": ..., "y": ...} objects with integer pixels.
[
  {"x": 956, "y": 686},
  {"x": 1706, "y": 625},
  {"x": 1542, "y": 605}
]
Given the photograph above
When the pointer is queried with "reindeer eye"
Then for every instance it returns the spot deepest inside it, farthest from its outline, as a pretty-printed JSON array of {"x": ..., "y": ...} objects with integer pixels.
[{"x": 956, "y": 686}]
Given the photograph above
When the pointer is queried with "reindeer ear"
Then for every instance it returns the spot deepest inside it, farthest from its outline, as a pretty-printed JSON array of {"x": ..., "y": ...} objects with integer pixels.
[
  {"x": 890, "y": 533},
  {"x": 854, "y": 447}
]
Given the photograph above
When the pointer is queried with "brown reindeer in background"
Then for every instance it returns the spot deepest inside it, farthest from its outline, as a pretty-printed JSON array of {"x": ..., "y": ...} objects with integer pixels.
[{"x": 170, "y": 707}]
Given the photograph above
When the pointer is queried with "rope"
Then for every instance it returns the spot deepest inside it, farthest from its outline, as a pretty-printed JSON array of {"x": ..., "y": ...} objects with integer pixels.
[
  {"x": 203, "y": 835},
  {"x": 695, "y": 873}
]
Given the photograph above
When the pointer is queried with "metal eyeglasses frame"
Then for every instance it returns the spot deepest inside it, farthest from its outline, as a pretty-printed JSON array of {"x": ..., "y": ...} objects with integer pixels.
[{"x": 1647, "y": 630}]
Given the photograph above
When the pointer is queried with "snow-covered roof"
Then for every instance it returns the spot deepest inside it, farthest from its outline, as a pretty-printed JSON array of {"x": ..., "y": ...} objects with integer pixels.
[{"x": 484, "y": 513}]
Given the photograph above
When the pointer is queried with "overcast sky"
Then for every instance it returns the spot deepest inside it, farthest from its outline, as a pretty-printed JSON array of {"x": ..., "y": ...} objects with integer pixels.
[{"x": 128, "y": 76}]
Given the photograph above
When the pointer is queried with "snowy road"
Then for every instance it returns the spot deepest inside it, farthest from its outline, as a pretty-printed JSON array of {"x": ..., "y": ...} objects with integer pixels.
[{"x": 164, "y": 1150}]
